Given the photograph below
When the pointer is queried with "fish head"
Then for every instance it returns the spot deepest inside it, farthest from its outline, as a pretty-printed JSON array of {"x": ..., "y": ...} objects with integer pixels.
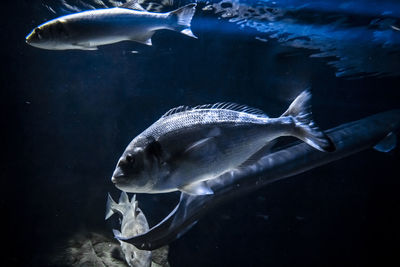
[
  {"x": 50, "y": 35},
  {"x": 138, "y": 169},
  {"x": 134, "y": 256}
]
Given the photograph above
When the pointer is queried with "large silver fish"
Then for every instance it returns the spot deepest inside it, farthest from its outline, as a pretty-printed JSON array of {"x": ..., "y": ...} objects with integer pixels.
[
  {"x": 89, "y": 29},
  {"x": 188, "y": 146},
  {"x": 377, "y": 131}
]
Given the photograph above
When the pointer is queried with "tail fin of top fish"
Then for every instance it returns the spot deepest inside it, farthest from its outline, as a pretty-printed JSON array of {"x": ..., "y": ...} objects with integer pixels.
[
  {"x": 182, "y": 18},
  {"x": 300, "y": 110},
  {"x": 120, "y": 207}
]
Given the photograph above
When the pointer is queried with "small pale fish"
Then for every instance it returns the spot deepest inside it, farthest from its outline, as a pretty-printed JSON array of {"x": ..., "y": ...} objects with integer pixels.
[
  {"x": 89, "y": 29},
  {"x": 133, "y": 223},
  {"x": 187, "y": 146}
]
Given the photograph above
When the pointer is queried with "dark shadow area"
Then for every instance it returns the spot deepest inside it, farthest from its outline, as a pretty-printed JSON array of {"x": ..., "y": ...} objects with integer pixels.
[{"x": 68, "y": 115}]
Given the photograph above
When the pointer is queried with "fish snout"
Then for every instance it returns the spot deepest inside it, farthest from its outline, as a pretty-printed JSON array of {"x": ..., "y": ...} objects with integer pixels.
[
  {"x": 117, "y": 175},
  {"x": 36, "y": 37},
  {"x": 28, "y": 38}
]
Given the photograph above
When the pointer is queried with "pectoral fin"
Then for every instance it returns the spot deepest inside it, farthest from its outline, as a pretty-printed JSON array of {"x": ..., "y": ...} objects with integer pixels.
[
  {"x": 199, "y": 145},
  {"x": 199, "y": 188},
  {"x": 204, "y": 145},
  {"x": 387, "y": 144}
]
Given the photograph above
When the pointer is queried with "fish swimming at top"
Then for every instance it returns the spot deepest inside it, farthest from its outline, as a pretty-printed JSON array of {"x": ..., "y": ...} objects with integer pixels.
[
  {"x": 89, "y": 29},
  {"x": 189, "y": 146}
]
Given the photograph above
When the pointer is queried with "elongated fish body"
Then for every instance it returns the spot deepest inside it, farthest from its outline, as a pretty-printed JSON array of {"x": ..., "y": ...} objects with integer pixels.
[
  {"x": 188, "y": 146},
  {"x": 89, "y": 29}
]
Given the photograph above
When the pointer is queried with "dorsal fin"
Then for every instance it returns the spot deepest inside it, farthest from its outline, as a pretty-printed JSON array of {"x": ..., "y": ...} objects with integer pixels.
[
  {"x": 234, "y": 107},
  {"x": 176, "y": 110},
  {"x": 123, "y": 199},
  {"x": 133, "y": 4},
  {"x": 221, "y": 105}
]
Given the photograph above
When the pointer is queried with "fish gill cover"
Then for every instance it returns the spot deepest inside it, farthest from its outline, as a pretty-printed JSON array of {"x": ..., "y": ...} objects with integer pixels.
[{"x": 358, "y": 38}]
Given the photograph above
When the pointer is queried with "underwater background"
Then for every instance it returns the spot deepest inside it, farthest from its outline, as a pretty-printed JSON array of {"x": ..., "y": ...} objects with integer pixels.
[{"x": 68, "y": 116}]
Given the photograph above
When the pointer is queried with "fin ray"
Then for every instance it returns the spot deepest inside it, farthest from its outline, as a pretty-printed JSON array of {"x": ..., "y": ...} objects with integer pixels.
[
  {"x": 300, "y": 111},
  {"x": 183, "y": 17},
  {"x": 220, "y": 105}
]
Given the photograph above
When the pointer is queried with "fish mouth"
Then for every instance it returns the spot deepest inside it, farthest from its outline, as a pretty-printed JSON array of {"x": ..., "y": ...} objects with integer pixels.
[
  {"x": 117, "y": 179},
  {"x": 28, "y": 38},
  {"x": 118, "y": 176}
]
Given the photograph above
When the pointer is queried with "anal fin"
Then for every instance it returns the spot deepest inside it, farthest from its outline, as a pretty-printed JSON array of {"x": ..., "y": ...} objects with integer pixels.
[
  {"x": 199, "y": 188},
  {"x": 144, "y": 38}
]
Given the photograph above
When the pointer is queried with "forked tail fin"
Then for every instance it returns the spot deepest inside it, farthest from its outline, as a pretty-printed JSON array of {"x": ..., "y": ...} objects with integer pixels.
[
  {"x": 110, "y": 206},
  {"x": 182, "y": 19},
  {"x": 120, "y": 207},
  {"x": 306, "y": 130}
]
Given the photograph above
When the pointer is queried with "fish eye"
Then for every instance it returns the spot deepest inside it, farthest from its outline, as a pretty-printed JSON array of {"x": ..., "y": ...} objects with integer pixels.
[
  {"x": 39, "y": 32},
  {"x": 130, "y": 158}
]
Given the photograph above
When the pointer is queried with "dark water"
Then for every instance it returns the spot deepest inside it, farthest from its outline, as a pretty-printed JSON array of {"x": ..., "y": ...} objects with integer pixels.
[{"x": 68, "y": 115}]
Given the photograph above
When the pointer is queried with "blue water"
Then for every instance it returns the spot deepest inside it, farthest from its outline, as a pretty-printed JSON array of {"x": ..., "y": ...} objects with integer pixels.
[{"x": 68, "y": 116}]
